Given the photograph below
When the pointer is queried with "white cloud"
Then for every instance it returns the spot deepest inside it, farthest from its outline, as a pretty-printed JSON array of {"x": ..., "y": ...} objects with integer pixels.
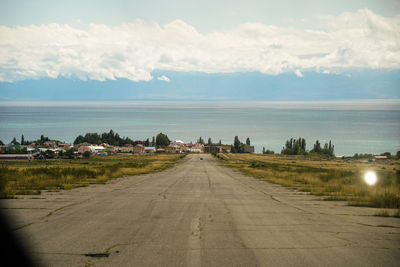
[
  {"x": 132, "y": 51},
  {"x": 299, "y": 74},
  {"x": 163, "y": 78}
]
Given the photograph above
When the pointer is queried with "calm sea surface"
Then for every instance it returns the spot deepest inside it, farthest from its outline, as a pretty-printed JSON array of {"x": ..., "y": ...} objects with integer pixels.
[{"x": 353, "y": 127}]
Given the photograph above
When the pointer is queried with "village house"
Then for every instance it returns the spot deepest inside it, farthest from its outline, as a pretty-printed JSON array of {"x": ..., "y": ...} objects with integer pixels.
[
  {"x": 177, "y": 143},
  {"x": 77, "y": 146},
  {"x": 212, "y": 149},
  {"x": 194, "y": 148},
  {"x": 53, "y": 149},
  {"x": 215, "y": 148},
  {"x": 176, "y": 146},
  {"x": 138, "y": 149},
  {"x": 32, "y": 150},
  {"x": 49, "y": 144},
  {"x": 82, "y": 149},
  {"x": 226, "y": 148},
  {"x": 125, "y": 149},
  {"x": 3, "y": 148},
  {"x": 248, "y": 149},
  {"x": 64, "y": 146},
  {"x": 139, "y": 142},
  {"x": 160, "y": 150},
  {"x": 97, "y": 149},
  {"x": 150, "y": 149},
  {"x": 173, "y": 149}
]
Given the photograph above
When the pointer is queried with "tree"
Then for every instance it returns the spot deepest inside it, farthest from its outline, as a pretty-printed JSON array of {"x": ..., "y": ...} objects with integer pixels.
[
  {"x": 162, "y": 140},
  {"x": 328, "y": 149},
  {"x": 200, "y": 140},
  {"x": 86, "y": 154},
  {"x": 295, "y": 147},
  {"x": 236, "y": 144},
  {"x": 14, "y": 141},
  {"x": 79, "y": 140},
  {"x": 1, "y": 143},
  {"x": 111, "y": 138},
  {"x": 317, "y": 147},
  {"x": 70, "y": 153},
  {"x": 268, "y": 152},
  {"x": 153, "y": 141},
  {"x": 209, "y": 141},
  {"x": 248, "y": 141},
  {"x": 49, "y": 154},
  {"x": 303, "y": 144},
  {"x": 147, "y": 142},
  {"x": 219, "y": 143},
  {"x": 238, "y": 147},
  {"x": 398, "y": 154},
  {"x": 22, "y": 140}
]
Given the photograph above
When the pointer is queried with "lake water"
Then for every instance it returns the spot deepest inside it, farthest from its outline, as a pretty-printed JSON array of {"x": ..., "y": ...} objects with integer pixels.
[{"x": 353, "y": 127}]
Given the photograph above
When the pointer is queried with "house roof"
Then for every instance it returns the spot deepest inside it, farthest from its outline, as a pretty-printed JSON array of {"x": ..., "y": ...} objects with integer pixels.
[{"x": 97, "y": 147}]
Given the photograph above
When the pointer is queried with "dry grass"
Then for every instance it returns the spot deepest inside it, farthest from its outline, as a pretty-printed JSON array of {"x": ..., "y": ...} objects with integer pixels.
[
  {"x": 23, "y": 177},
  {"x": 388, "y": 213},
  {"x": 332, "y": 179}
]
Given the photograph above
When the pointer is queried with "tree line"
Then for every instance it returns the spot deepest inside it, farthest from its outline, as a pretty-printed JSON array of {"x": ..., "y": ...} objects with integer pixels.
[
  {"x": 238, "y": 146},
  {"x": 110, "y": 138},
  {"x": 114, "y": 139},
  {"x": 298, "y": 147}
]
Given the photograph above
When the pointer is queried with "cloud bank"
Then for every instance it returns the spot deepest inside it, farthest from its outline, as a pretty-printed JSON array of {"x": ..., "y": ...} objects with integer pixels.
[{"x": 98, "y": 52}]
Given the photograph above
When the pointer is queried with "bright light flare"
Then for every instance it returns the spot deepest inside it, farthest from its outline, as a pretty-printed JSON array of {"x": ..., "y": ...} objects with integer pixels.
[{"x": 370, "y": 178}]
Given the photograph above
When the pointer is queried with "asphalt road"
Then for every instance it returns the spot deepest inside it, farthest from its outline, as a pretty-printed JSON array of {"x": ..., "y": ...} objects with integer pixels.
[{"x": 199, "y": 213}]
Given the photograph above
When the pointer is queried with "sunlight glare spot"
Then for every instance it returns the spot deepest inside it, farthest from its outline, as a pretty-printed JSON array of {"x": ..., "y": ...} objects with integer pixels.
[{"x": 370, "y": 178}]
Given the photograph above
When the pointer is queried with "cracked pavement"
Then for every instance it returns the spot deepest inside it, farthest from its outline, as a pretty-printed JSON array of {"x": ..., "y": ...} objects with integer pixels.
[{"x": 199, "y": 213}]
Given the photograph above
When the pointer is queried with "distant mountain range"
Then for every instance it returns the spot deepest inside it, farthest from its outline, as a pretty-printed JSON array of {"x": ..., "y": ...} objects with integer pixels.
[{"x": 173, "y": 86}]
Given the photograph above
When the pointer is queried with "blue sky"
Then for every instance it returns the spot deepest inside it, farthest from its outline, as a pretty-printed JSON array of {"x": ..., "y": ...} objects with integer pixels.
[
  {"x": 205, "y": 15},
  {"x": 144, "y": 42}
]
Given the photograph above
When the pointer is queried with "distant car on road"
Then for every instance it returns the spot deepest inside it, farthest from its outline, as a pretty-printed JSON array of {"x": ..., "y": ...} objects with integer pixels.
[{"x": 201, "y": 158}]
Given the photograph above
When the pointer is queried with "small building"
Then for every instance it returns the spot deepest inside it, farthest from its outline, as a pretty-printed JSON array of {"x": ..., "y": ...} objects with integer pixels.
[
  {"x": 212, "y": 149},
  {"x": 64, "y": 146},
  {"x": 149, "y": 149},
  {"x": 139, "y": 142},
  {"x": 49, "y": 144},
  {"x": 173, "y": 149},
  {"x": 215, "y": 148},
  {"x": 125, "y": 149},
  {"x": 32, "y": 150},
  {"x": 138, "y": 149},
  {"x": 160, "y": 150},
  {"x": 97, "y": 149},
  {"x": 226, "y": 148},
  {"x": 82, "y": 149},
  {"x": 177, "y": 143},
  {"x": 248, "y": 149},
  {"x": 194, "y": 148},
  {"x": 77, "y": 146}
]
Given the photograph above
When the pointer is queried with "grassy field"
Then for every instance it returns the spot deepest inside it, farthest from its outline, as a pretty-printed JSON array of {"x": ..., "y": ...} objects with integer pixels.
[
  {"x": 26, "y": 178},
  {"x": 331, "y": 179}
]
